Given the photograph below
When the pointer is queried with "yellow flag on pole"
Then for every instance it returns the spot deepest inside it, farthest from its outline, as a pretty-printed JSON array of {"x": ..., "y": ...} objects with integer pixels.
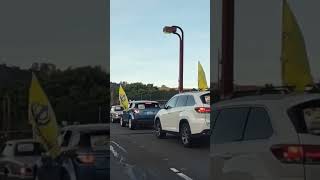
[
  {"x": 42, "y": 118},
  {"x": 202, "y": 82},
  {"x": 123, "y": 99},
  {"x": 294, "y": 58}
]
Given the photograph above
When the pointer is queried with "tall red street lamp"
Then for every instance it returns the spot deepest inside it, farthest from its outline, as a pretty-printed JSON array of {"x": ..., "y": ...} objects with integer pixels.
[{"x": 173, "y": 30}]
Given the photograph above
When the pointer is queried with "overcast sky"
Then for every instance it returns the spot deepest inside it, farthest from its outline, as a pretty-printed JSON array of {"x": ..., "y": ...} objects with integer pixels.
[
  {"x": 141, "y": 52},
  {"x": 258, "y": 38},
  {"x": 66, "y": 33}
]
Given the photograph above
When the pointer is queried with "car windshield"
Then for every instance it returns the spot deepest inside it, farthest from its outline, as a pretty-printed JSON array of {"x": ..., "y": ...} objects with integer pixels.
[
  {"x": 96, "y": 140},
  {"x": 147, "y": 105},
  {"x": 28, "y": 149},
  {"x": 205, "y": 98},
  {"x": 306, "y": 117}
]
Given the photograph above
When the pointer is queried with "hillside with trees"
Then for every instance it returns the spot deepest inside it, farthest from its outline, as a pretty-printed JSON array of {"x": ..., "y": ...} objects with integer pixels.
[{"x": 76, "y": 94}]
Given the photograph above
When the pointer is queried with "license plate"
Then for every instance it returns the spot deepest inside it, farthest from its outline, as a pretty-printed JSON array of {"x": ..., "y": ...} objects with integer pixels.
[{"x": 149, "y": 113}]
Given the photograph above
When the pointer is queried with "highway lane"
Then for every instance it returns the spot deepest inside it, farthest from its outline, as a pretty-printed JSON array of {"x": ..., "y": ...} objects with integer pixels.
[{"x": 139, "y": 155}]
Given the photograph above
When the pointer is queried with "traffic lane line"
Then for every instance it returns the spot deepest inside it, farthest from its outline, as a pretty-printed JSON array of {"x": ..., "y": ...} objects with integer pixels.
[
  {"x": 177, "y": 172},
  {"x": 175, "y": 156},
  {"x": 118, "y": 145}
]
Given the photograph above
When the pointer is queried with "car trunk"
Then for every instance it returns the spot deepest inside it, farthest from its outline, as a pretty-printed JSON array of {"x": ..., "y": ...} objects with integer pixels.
[
  {"x": 306, "y": 119},
  {"x": 146, "y": 111},
  {"x": 96, "y": 143}
]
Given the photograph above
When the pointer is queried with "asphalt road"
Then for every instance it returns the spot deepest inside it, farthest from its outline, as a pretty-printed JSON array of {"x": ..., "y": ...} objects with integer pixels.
[{"x": 139, "y": 155}]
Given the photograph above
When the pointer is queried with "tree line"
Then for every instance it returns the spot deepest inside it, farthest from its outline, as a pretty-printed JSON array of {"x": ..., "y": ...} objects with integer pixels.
[{"x": 77, "y": 94}]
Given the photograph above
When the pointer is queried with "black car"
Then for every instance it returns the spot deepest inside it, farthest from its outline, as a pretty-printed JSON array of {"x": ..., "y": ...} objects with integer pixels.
[{"x": 140, "y": 113}]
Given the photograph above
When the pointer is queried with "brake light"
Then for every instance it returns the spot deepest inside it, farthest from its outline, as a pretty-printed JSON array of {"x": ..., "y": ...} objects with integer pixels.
[
  {"x": 25, "y": 171},
  {"x": 136, "y": 111},
  {"x": 304, "y": 154},
  {"x": 203, "y": 109},
  {"x": 86, "y": 158}
]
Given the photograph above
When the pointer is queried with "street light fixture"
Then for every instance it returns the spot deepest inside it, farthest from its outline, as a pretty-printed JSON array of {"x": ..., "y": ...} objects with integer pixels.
[{"x": 173, "y": 30}]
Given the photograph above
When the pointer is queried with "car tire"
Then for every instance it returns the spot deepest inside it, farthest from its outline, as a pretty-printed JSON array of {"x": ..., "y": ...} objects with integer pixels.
[
  {"x": 122, "y": 123},
  {"x": 158, "y": 130},
  {"x": 131, "y": 124},
  {"x": 185, "y": 135}
]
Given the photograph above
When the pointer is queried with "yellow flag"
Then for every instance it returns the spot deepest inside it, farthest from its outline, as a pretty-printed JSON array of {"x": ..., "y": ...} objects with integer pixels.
[
  {"x": 202, "y": 82},
  {"x": 294, "y": 58},
  {"x": 123, "y": 98},
  {"x": 42, "y": 118}
]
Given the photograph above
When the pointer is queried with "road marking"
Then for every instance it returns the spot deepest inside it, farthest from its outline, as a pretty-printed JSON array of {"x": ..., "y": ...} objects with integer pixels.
[
  {"x": 174, "y": 170},
  {"x": 180, "y": 174},
  {"x": 114, "y": 152},
  {"x": 184, "y": 176},
  {"x": 120, "y": 147}
]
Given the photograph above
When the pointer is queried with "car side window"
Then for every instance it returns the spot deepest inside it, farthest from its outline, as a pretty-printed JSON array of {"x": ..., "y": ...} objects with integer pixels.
[
  {"x": 190, "y": 101},
  {"x": 2, "y": 148},
  {"x": 66, "y": 139},
  {"x": 229, "y": 125},
  {"x": 8, "y": 150},
  {"x": 258, "y": 125},
  {"x": 182, "y": 101},
  {"x": 172, "y": 102}
]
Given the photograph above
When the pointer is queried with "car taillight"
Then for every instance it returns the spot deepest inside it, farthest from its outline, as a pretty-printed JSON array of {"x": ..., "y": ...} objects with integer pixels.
[
  {"x": 86, "y": 158},
  {"x": 306, "y": 154},
  {"x": 25, "y": 171},
  {"x": 203, "y": 109},
  {"x": 136, "y": 111}
]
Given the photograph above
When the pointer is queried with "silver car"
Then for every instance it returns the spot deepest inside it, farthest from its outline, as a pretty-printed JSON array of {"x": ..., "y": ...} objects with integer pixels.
[
  {"x": 18, "y": 158},
  {"x": 267, "y": 137}
]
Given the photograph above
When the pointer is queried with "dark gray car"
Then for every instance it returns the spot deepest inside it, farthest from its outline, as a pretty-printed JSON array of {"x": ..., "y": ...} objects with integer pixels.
[{"x": 85, "y": 154}]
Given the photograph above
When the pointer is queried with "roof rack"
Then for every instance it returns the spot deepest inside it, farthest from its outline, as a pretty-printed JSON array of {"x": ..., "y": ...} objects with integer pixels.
[{"x": 263, "y": 91}]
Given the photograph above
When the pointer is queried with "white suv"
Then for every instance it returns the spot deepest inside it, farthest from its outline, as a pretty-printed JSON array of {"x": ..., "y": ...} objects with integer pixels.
[
  {"x": 186, "y": 114},
  {"x": 266, "y": 137}
]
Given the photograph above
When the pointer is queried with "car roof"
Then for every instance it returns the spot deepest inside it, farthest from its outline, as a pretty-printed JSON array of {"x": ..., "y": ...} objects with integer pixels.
[
  {"x": 194, "y": 92},
  {"x": 88, "y": 127},
  {"x": 144, "y": 101},
  {"x": 270, "y": 99}
]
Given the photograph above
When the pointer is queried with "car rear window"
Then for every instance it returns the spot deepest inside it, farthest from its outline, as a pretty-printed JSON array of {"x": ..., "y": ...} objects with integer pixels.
[
  {"x": 95, "y": 139},
  {"x": 28, "y": 149},
  {"x": 205, "y": 98},
  {"x": 306, "y": 117},
  {"x": 118, "y": 108},
  {"x": 147, "y": 105}
]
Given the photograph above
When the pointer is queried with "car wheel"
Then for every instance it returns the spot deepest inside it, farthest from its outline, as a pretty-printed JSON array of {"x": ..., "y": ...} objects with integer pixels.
[
  {"x": 185, "y": 134},
  {"x": 112, "y": 120},
  {"x": 65, "y": 175},
  {"x": 158, "y": 130},
  {"x": 131, "y": 124},
  {"x": 122, "y": 124}
]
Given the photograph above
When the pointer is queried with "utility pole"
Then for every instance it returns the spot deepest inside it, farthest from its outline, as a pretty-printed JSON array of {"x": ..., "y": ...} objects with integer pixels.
[
  {"x": 99, "y": 114},
  {"x": 227, "y": 47}
]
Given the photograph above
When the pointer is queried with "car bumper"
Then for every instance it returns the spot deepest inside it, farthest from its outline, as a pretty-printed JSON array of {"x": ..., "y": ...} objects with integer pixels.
[
  {"x": 144, "y": 122},
  {"x": 84, "y": 173},
  {"x": 204, "y": 133},
  {"x": 19, "y": 178}
]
